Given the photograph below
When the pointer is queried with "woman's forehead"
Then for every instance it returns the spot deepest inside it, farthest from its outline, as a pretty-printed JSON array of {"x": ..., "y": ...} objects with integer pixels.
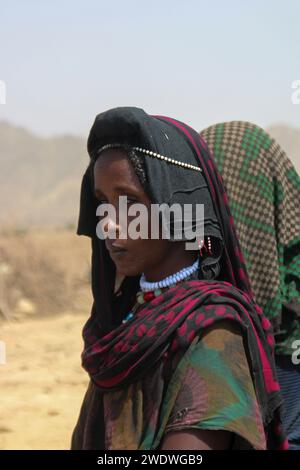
[{"x": 113, "y": 168}]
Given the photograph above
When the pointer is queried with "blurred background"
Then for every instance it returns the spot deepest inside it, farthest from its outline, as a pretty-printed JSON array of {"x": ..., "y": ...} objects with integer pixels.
[{"x": 61, "y": 63}]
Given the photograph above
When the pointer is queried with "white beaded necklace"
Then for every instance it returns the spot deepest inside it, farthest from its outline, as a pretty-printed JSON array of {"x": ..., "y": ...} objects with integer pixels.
[{"x": 147, "y": 286}]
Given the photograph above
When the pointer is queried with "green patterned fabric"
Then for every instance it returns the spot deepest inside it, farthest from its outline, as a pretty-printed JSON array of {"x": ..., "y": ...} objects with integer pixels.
[
  {"x": 210, "y": 388},
  {"x": 264, "y": 194},
  {"x": 214, "y": 390}
]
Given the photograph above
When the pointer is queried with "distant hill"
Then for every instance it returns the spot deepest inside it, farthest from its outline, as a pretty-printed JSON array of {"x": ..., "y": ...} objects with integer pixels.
[{"x": 40, "y": 177}]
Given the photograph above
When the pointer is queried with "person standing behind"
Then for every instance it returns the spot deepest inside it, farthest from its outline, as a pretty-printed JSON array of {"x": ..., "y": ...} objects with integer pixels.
[{"x": 263, "y": 189}]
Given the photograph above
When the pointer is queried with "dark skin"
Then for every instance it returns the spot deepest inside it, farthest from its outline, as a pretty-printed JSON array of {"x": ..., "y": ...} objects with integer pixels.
[{"x": 114, "y": 176}]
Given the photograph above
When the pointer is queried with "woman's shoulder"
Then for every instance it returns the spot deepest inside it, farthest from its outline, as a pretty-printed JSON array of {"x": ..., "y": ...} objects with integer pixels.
[
  {"x": 224, "y": 338},
  {"x": 216, "y": 389},
  {"x": 217, "y": 287},
  {"x": 218, "y": 348}
]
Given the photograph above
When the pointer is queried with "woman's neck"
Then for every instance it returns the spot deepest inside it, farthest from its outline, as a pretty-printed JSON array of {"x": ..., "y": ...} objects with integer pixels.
[{"x": 173, "y": 263}]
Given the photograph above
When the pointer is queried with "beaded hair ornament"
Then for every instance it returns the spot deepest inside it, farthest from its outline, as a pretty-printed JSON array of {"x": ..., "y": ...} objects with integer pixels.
[{"x": 152, "y": 154}]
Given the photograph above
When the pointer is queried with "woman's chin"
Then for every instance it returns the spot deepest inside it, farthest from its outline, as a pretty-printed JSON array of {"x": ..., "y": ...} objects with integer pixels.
[
  {"x": 125, "y": 269},
  {"x": 129, "y": 272}
]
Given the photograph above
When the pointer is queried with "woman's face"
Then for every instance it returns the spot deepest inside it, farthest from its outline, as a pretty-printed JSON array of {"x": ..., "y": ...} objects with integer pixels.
[{"x": 114, "y": 176}]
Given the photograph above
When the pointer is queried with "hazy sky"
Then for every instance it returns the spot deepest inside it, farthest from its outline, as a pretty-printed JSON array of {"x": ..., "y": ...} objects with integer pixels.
[{"x": 200, "y": 61}]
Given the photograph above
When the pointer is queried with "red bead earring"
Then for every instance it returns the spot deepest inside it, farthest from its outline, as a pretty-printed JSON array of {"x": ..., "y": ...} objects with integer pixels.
[{"x": 205, "y": 247}]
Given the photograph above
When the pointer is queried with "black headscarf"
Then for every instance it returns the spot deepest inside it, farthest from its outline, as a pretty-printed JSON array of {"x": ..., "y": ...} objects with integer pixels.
[{"x": 167, "y": 183}]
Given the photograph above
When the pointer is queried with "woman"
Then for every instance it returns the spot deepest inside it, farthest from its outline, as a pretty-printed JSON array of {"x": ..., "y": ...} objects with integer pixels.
[
  {"x": 180, "y": 357},
  {"x": 264, "y": 193}
]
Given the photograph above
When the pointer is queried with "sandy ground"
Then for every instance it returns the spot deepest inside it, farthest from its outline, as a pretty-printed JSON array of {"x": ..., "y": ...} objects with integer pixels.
[{"x": 42, "y": 383}]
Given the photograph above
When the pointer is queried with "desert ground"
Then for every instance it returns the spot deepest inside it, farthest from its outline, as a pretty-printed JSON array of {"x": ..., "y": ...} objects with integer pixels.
[
  {"x": 46, "y": 298},
  {"x": 42, "y": 382}
]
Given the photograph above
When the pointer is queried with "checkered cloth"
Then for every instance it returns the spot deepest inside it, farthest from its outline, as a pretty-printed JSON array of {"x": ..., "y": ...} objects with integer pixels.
[{"x": 264, "y": 193}]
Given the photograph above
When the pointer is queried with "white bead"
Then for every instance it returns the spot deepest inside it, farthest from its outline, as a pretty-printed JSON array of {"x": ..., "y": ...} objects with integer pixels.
[
  {"x": 164, "y": 158},
  {"x": 157, "y": 155},
  {"x": 173, "y": 279}
]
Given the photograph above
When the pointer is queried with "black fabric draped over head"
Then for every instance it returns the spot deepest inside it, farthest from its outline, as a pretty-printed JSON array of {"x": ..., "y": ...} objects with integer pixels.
[{"x": 167, "y": 183}]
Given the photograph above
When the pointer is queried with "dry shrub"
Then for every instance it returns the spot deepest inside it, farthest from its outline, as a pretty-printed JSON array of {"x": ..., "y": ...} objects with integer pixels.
[{"x": 43, "y": 272}]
